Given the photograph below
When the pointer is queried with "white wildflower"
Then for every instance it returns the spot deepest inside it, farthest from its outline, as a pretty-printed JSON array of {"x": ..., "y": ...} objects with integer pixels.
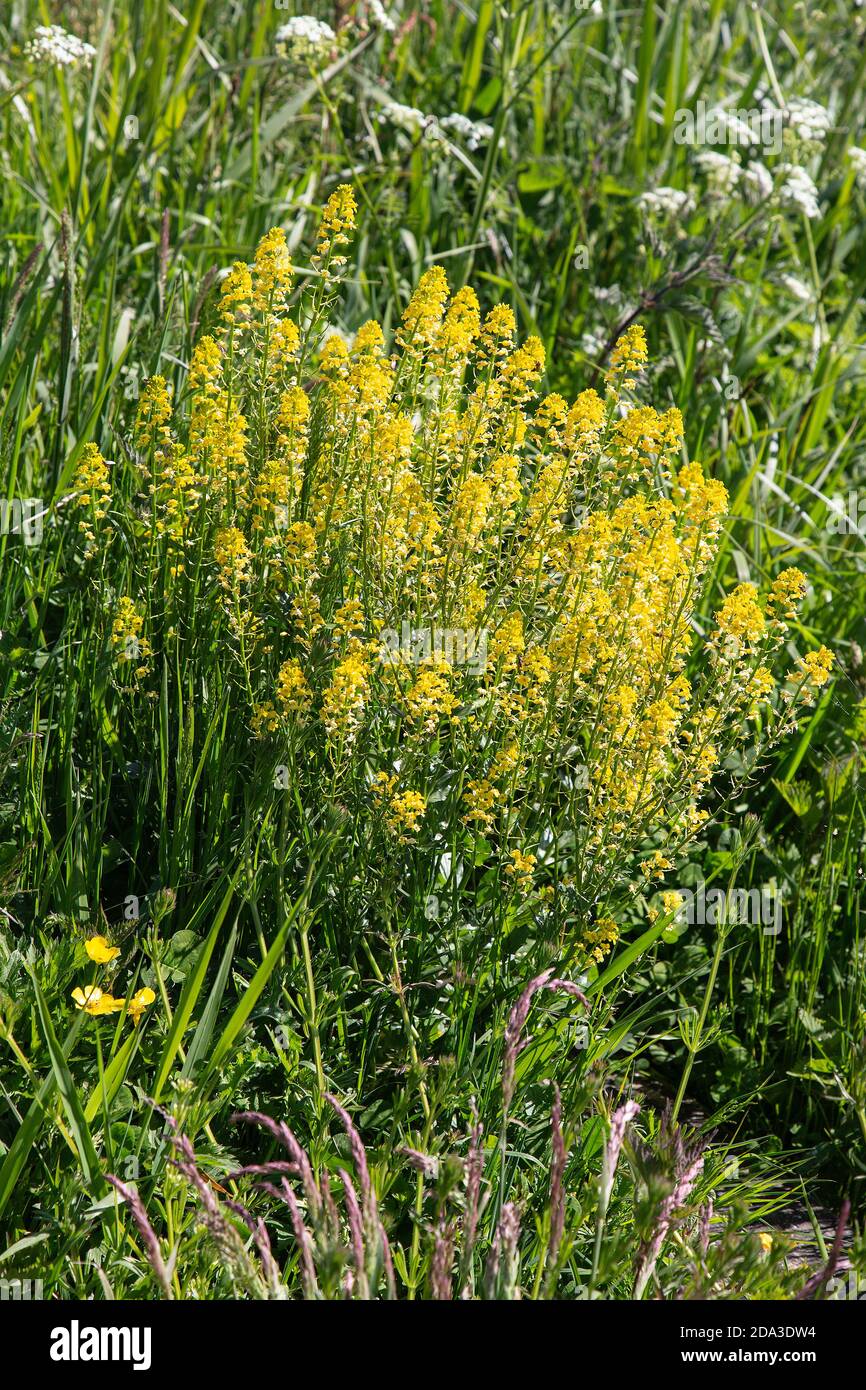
[
  {"x": 737, "y": 130},
  {"x": 758, "y": 180},
  {"x": 410, "y": 119},
  {"x": 809, "y": 121},
  {"x": 799, "y": 191},
  {"x": 53, "y": 45},
  {"x": 591, "y": 344},
  {"x": 472, "y": 133},
  {"x": 671, "y": 201},
  {"x": 607, "y": 294},
  {"x": 305, "y": 38},
  {"x": 722, "y": 172},
  {"x": 858, "y": 159},
  {"x": 379, "y": 16}
]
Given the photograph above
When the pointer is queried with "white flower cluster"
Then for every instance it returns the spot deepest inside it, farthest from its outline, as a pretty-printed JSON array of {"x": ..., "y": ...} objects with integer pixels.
[
  {"x": 670, "y": 202},
  {"x": 758, "y": 180},
  {"x": 611, "y": 294},
  {"x": 380, "y": 17},
  {"x": 415, "y": 123},
  {"x": 410, "y": 119},
  {"x": 723, "y": 173},
  {"x": 858, "y": 159},
  {"x": 304, "y": 37},
  {"x": 53, "y": 45},
  {"x": 738, "y": 131},
  {"x": 799, "y": 191},
  {"x": 809, "y": 120},
  {"x": 591, "y": 344},
  {"x": 472, "y": 133}
]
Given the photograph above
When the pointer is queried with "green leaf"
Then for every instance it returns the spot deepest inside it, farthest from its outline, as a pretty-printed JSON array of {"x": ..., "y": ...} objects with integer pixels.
[
  {"x": 630, "y": 954},
  {"x": 70, "y": 1097},
  {"x": 112, "y": 1079},
  {"x": 250, "y": 998},
  {"x": 191, "y": 991}
]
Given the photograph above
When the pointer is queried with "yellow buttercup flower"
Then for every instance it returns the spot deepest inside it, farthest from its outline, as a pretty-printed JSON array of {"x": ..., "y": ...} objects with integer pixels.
[
  {"x": 141, "y": 1000},
  {"x": 96, "y": 1001},
  {"x": 99, "y": 950}
]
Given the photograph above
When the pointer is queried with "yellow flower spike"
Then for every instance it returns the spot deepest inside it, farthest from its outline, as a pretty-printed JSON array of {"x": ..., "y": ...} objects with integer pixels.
[
  {"x": 99, "y": 950},
  {"x": 423, "y": 314},
  {"x": 340, "y": 212},
  {"x": 460, "y": 327},
  {"x": 630, "y": 353},
  {"x": 272, "y": 273},
  {"x": 232, "y": 555},
  {"x": 740, "y": 620},
  {"x": 816, "y": 669},
  {"x": 237, "y": 289},
  {"x": 205, "y": 368},
  {"x": 339, "y": 216},
  {"x": 369, "y": 338},
  {"x": 127, "y": 636},
  {"x": 788, "y": 590},
  {"x": 141, "y": 1000},
  {"x": 153, "y": 415},
  {"x": 497, "y": 333},
  {"x": 293, "y": 692}
]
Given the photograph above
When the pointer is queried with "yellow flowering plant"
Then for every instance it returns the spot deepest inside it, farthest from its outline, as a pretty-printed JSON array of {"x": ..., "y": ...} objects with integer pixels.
[{"x": 459, "y": 612}]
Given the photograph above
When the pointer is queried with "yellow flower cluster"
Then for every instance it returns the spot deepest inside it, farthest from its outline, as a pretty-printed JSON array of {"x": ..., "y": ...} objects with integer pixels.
[
  {"x": 92, "y": 493},
  {"x": 97, "y": 1002},
  {"x": 403, "y": 810},
  {"x": 486, "y": 607},
  {"x": 127, "y": 635}
]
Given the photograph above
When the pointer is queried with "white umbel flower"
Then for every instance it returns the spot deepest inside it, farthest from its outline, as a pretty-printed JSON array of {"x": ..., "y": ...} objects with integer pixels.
[
  {"x": 305, "y": 37},
  {"x": 808, "y": 119},
  {"x": 54, "y": 46},
  {"x": 410, "y": 119},
  {"x": 472, "y": 133},
  {"x": 379, "y": 17},
  {"x": 722, "y": 172},
  {"x": 799, "y": 191},
  {"x": 757, "y": 180},
  {"x": 858, "y": 159},
  {"x": 670, "y": 202}
]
